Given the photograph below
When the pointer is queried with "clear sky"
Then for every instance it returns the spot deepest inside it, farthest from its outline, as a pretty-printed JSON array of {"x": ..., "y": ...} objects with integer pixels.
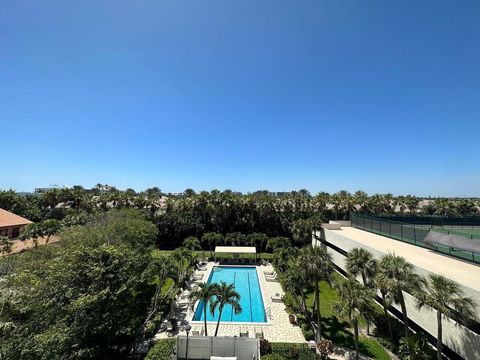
[{"x": 381, "y": 95}]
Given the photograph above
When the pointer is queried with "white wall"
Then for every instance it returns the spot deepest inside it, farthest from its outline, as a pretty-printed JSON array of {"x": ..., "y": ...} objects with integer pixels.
[{"x": 458, "y": 338}]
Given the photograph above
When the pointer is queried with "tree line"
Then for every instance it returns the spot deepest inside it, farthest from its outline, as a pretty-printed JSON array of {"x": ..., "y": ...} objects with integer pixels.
[{"x": 291, "y": 214}]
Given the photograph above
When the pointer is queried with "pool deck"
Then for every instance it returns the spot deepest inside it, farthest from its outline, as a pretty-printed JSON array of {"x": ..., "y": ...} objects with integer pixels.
[
  {"x": 278, "y": 328},
  {"x": 463, "y": 272}
]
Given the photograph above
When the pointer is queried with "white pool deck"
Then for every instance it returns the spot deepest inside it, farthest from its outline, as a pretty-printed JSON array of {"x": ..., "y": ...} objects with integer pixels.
[
  {"x": 463, "y": 272},
  {"x": 278, "y": 327}
]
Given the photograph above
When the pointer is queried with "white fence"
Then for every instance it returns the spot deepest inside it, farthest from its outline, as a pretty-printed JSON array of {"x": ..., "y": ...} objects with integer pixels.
[{"x": 203, "y": 347}]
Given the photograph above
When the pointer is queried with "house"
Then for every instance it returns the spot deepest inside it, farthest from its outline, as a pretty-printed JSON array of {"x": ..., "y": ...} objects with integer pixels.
[{"x": 11, "y": 224}]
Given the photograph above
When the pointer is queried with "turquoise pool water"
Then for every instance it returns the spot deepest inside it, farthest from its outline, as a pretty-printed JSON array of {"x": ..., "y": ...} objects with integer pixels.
[{"x": 246, "y": 284}]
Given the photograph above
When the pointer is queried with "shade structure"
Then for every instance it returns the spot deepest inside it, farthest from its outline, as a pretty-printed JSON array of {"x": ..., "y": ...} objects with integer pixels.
[{"x": 236, "y": 250}]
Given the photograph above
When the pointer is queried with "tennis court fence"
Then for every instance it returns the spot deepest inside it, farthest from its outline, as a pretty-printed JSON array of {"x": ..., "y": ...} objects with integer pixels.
[{"x": 458, "y": 245}]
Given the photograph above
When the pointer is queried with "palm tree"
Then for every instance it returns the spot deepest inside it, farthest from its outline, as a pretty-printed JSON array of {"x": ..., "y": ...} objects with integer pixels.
[
  {"x": 361, "y": 262},
  {"x": 183, "y": 257},
  {"x": 448, "y": 299},
  {"x": 224, "y": 294},
  {"x": 318, "y": 265},
  {"x": 296, "y": 280},
  {"x": 382, "y": 285},
  {"x": 203, "y": 293},
  {"x": 396, "y": 275},
  {"x": 353, "y": 302}
]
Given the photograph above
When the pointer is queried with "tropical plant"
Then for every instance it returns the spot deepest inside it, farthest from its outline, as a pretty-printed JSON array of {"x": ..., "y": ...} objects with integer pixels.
[
  {"x": 414, "y": 347},
  {"x": 360, "y": 262},
  {"x": 318, "y": 265},
  {"x": 281, "y": 258},
  {"x": 448, "y": 299},
  {"x": 353, "y": 303},
  {"x": 211, "y": 240},
  {"x": 224, "y": 294},
  {"x": 5, "y": 245},
  {"x": 204, "y": 293},
  {"x": 192, "y": 243},
  {"x": 396, "y": 275}
]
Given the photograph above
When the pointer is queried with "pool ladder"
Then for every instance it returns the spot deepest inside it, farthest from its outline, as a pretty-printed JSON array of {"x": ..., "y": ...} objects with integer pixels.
[{"x": 268, "y": 312}]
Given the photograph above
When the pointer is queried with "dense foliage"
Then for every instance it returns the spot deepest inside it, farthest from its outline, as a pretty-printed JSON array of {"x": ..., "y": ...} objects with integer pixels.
[
  {"x": 85, "y": 298},
  {"x": 162, "y": 350},
  {"x": 290, "y": 214}
]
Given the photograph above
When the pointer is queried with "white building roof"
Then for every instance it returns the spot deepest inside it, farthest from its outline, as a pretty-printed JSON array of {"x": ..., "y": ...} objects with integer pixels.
[{"x": 236, "y": 249}]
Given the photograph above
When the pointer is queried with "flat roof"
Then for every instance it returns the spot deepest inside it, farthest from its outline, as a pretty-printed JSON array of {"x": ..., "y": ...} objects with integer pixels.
[
  {"x": 8, "y": 218},
  {"x": 460, "y": 271},
  {"x": 236, "y": 249}
]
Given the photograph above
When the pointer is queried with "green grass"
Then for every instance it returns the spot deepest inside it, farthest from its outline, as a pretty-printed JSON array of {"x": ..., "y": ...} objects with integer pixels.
[{"x": 374, "y": 348}]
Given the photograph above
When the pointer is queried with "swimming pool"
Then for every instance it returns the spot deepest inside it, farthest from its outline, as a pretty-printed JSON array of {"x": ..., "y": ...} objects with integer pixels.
[{"x": 247, "y": 285}]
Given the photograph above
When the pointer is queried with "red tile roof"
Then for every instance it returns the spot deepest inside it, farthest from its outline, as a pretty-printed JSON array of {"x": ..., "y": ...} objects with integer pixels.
[{"x": 8, "y": 218}]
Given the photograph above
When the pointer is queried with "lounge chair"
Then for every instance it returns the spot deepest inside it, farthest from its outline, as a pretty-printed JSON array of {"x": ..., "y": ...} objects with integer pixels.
[
  {"x": 244, "y": 334},
  {"x": 276, "y": 298},
  {"x": 271, "y": 273},
  {"x": 271, "y": 278}
]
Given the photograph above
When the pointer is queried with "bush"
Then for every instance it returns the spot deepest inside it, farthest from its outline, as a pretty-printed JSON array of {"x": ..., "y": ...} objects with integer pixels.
[
  {"x": 273, "y": 357},
  {"x": 265, "y": 347},
  {"x": 162, "y": 350},
  {"x": 293, "y": 351}
]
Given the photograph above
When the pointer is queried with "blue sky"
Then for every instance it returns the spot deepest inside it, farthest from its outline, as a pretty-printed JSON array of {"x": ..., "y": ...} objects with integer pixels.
[{"x": 382, "y": 96}]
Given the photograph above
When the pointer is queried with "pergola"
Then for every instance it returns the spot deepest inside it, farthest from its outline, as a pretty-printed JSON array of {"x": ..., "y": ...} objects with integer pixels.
[{"x": 235, "y": 250}]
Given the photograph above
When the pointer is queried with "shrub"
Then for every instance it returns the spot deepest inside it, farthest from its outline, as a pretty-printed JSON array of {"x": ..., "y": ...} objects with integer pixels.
[
  {"x": 265, "y": 347},
  {"x": 273, "y": 357},
  {"x": 162, "y": 350},
  {"x": 293, "y": 351}
]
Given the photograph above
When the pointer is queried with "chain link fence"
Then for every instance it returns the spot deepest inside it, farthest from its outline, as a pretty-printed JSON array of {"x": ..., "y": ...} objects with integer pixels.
[{"x": 451, "y": 242}]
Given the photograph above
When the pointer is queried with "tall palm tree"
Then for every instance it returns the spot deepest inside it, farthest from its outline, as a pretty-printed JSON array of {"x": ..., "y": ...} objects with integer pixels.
[
  {"x": 382, "y": 285},
  {"x": 360, "y": 261},
  {"x": 224, "y": 294},
  {"x": 448, "y": 299},
  {"x": 296, "y": 280},
  {"x": 397, "y": 275},
  {"x": 182, "y": 257},
  {"x": 318, "y": 265},
  {"x": 353, "y": 303},
  {"x": 203, "y": 293}
]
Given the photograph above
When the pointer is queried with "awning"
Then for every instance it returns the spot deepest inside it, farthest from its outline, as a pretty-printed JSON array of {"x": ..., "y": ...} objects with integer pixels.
[{"x": 235, "y": 250}]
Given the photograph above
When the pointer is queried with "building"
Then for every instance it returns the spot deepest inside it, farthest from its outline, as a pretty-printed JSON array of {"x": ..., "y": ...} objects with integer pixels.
[
  {"x": 459, "y": 342},
  {"x": 11, "y": 225}
]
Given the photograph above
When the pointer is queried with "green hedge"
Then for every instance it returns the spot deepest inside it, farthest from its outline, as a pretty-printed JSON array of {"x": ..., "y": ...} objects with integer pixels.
[
  {"x": 288, "y": 351},
  {"x": 162, "y": 350}
]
